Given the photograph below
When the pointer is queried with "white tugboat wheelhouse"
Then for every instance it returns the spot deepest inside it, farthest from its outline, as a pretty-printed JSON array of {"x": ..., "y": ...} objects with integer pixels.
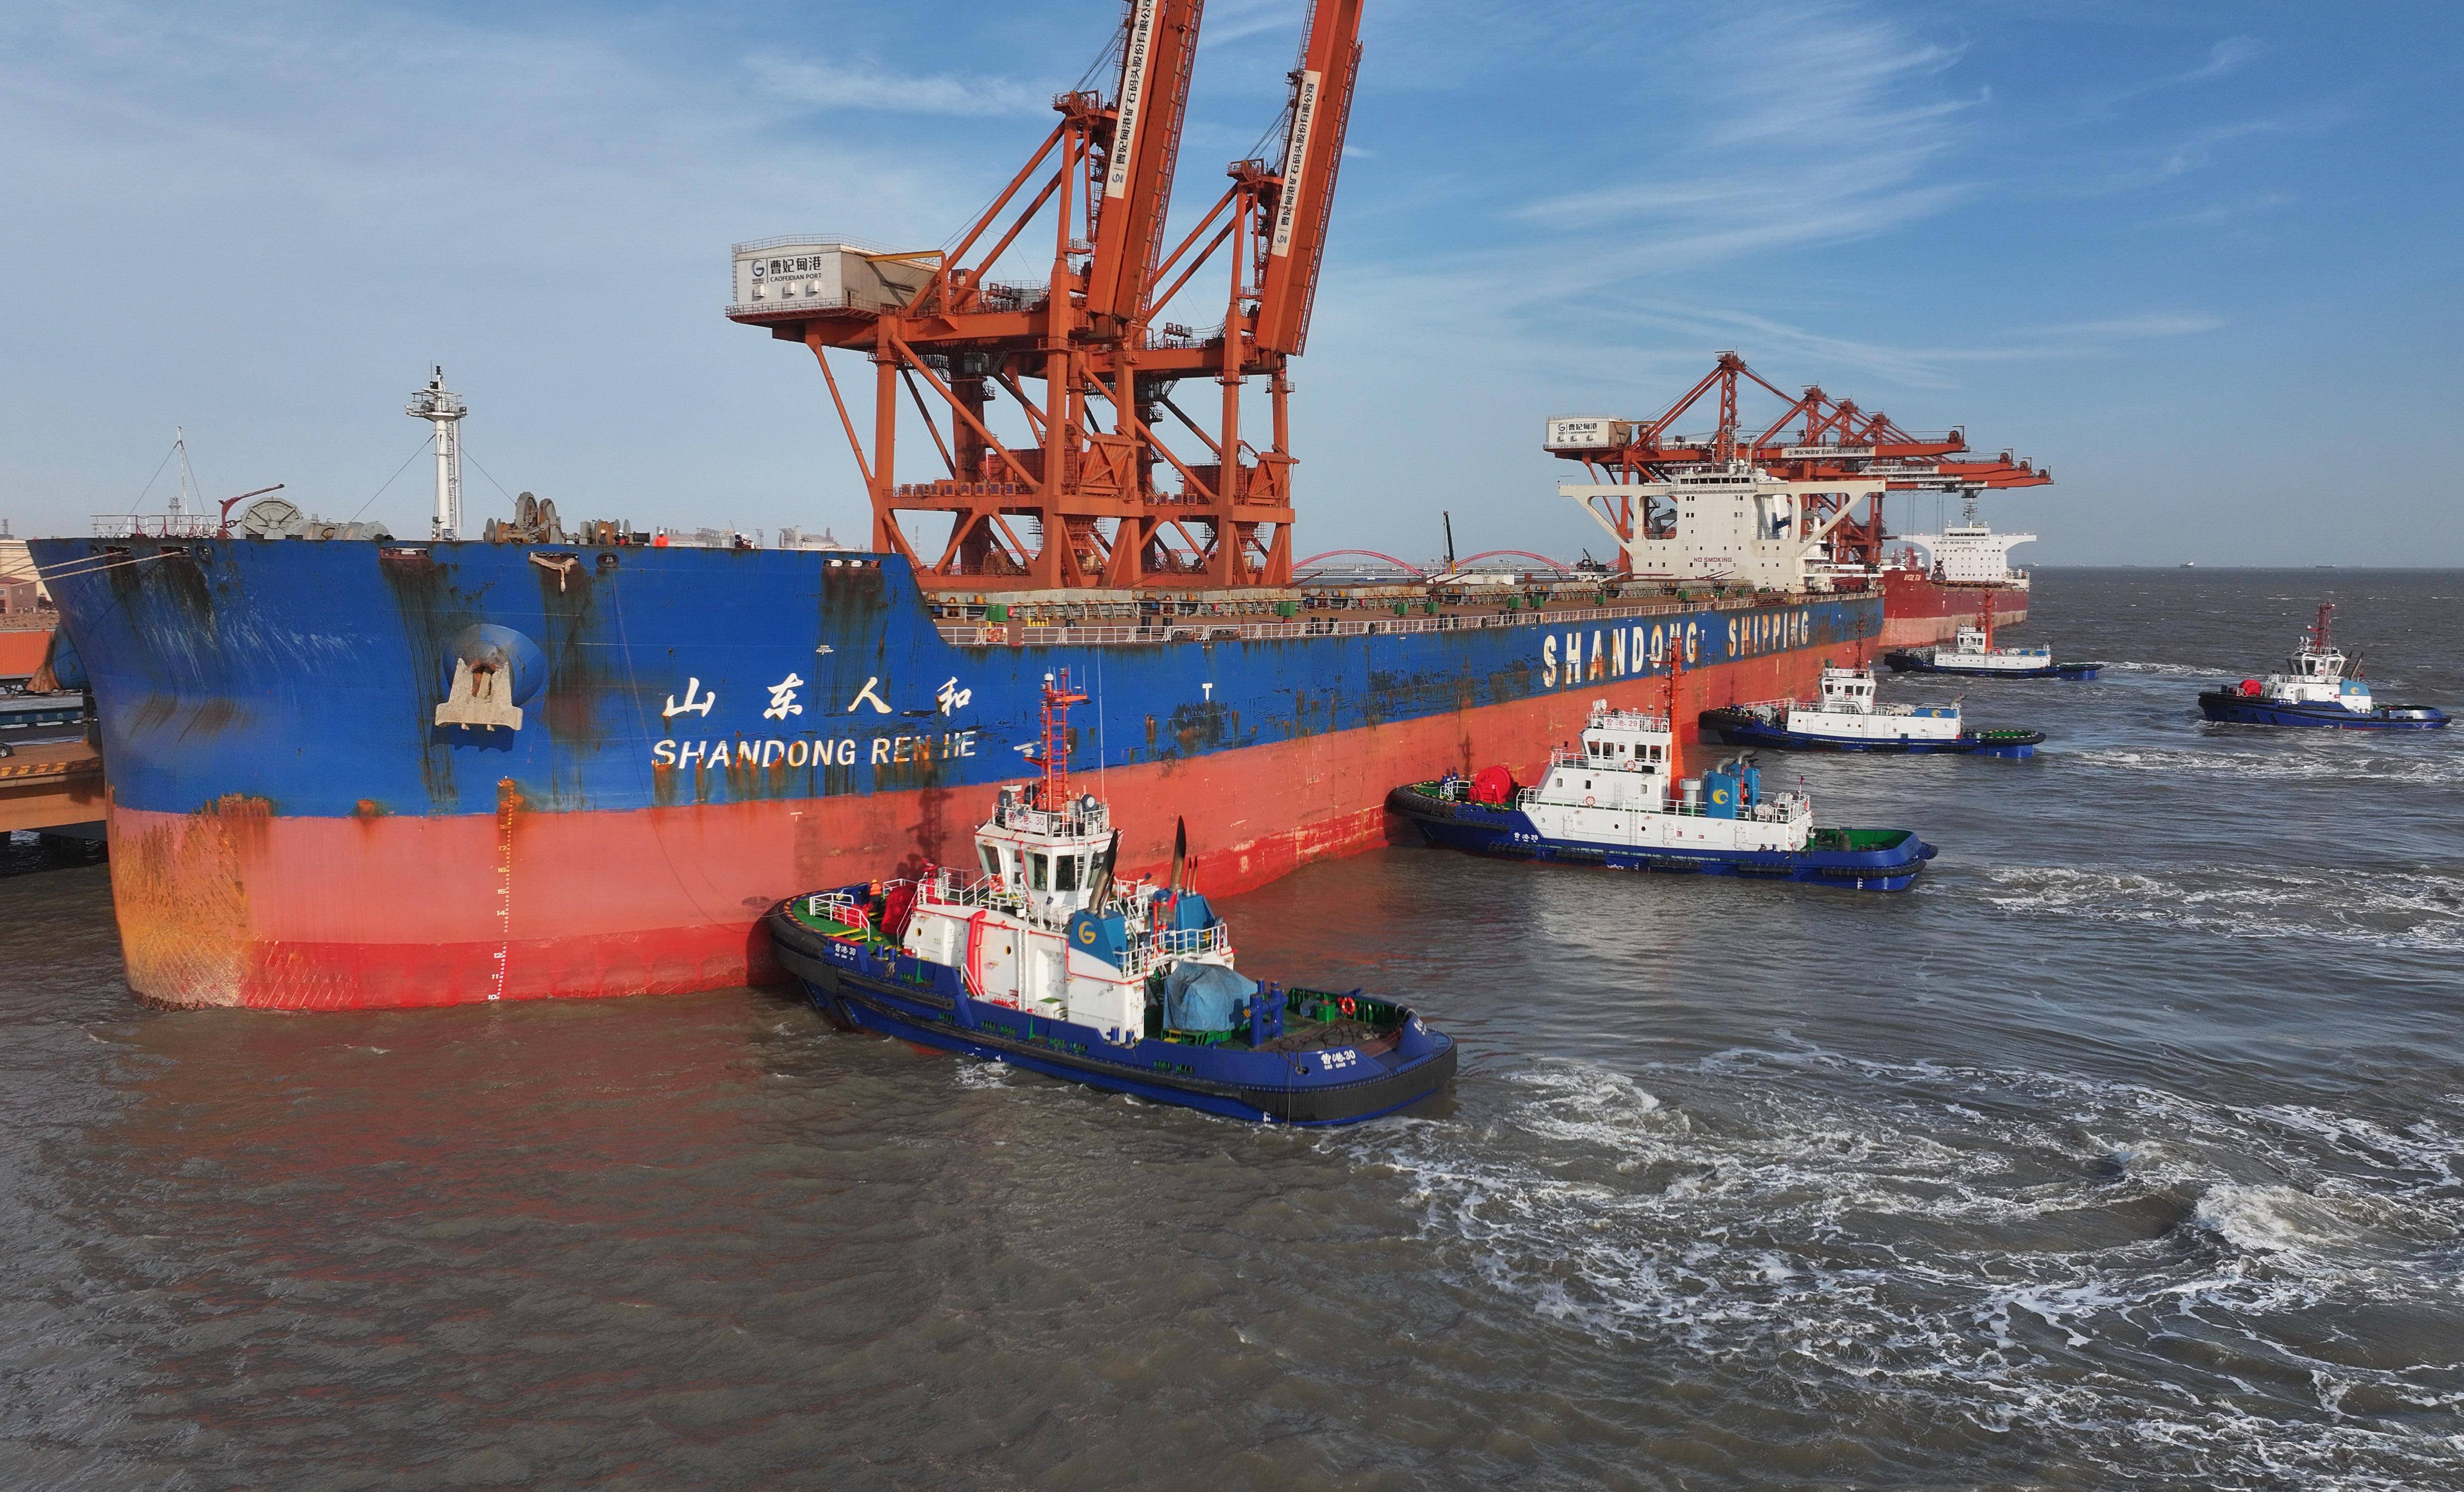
[{"x": 1041, "y": 923}]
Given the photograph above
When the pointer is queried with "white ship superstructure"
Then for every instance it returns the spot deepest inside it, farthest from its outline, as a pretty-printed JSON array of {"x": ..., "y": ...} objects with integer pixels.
[
  {"x": 1735, "y": 524},
  {"x": 1974, "y": 651},
  {"x": 1617, "y": 786},
  {"x": 2314, "y": 673},
  {"x": 1848, "y": 713},
  {"x": 1970, "y": 553},
  {"x": 1041, "y": 924}
]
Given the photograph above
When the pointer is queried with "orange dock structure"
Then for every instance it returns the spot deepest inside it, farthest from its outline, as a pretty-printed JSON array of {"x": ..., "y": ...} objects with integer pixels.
[{"x": 50, "y": 786}]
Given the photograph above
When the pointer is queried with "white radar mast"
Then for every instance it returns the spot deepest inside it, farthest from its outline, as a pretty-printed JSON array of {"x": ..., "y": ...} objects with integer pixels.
[{"x": 444, "y": 408}]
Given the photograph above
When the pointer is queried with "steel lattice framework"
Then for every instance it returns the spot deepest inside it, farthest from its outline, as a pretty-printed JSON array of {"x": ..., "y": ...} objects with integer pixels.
[
  {"x": 1096, "y": 495},
  {"x": 1814, "y": 438}
]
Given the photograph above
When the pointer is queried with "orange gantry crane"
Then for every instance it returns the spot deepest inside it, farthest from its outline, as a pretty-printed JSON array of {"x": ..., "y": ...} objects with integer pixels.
[
  {"x": 1814, "y": 438},
  {"x": 1080, "y": 365}
]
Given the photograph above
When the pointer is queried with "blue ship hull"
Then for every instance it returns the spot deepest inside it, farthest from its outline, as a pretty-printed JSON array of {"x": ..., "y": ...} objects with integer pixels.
[
  {"x": 2232, "y": 708},
  {"x": 1740, "y": 728},
  {"x": 1511, "y": 834},
  {"x": 703, "y": 732},
  {"x": 917, "y": 1000}
]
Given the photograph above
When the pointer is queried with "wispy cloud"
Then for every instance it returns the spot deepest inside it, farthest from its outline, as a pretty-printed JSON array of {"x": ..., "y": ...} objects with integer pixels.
[
  {"x": 832, "y": 86},
  {"x": 1920, "y": 365},
  {"x": 1230, "y": 21},
  {"x": 2159, "y": 163},
  {"x": 1843, "y": 134},
  {"x": 2229, "y": 55},
  {"x": 2229, "y": 211},
  {"x": 2223, "y": 57}
]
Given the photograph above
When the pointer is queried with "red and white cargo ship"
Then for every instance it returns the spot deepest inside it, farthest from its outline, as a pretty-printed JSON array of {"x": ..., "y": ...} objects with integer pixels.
[{"x": 1939, "y": 583}]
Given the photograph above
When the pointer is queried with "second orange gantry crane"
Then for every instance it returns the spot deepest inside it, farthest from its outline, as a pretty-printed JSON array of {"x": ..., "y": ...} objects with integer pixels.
[{"x": 1816, "y": 438}]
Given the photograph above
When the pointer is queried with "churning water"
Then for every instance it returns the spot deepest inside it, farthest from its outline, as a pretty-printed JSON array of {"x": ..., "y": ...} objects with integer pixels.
[{"x": 2128, "y": 1147}]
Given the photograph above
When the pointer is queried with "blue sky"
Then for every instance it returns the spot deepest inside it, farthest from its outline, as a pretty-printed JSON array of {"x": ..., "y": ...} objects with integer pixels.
[{"x": 2201, "y": 259}]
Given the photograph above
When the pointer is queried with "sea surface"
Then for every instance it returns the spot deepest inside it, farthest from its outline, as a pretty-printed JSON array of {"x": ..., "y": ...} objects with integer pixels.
[{"x": 2127, "y": 1149}]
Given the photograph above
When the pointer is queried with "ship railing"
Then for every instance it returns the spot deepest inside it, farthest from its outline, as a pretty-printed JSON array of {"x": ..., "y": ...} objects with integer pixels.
[
  {"x": 1772, "y": 808},
  {"x": 1854, "y": 707},
  {"x": 834, "y": 906},
  {"x": 1570, "y": 757},
  {"x": 1147, "y": 952},
  {"x": 788, "y": 302},
  {"x": 951, "y": 887},
  {"x": 155, "y": 525},
  {"x": 1626, "y": 720},
  {"x": 1073, "y": 822},
  {"x": 1204, "y": 629}
]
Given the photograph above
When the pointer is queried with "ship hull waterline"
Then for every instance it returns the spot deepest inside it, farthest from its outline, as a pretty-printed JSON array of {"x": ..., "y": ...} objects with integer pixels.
[
  {"x": 290, "y": 830},
  {"x": 1919, "y": 663},
  {"x": 1509, "y": 834},
  {"x": 2229, "y": 707},
  {"x": 1739, "y": 727}
]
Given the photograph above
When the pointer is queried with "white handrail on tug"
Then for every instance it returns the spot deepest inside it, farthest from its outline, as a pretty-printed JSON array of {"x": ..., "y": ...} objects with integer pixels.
[
  {"x": 1075, "y": 822},
  {"x": 1145, "y": 952},
  {"x": 1774, "y": 808},
  {"x": 838, "y": 907},
  {"x": 1916, "y": 711},
  {"x": 1569, "y": 757},
  {"x": 1626, "y": 720},
  {"x": 951, "y": 887}
]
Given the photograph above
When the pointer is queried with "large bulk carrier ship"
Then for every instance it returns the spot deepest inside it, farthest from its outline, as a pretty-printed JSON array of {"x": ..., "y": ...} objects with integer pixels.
[{"x": 353, "y": 773}]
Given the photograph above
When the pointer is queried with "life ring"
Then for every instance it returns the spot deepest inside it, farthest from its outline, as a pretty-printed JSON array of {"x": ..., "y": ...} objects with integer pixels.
[
  {"x": 1591, "y": 802},
  {"x": 1347, "y": 1005}
]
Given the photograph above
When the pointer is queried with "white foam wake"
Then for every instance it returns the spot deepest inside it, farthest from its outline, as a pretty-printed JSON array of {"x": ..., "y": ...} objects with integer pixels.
[
  {"x": 2175, "y": 671},
  {"x": 2009, "y": 1248},
  {"x": 2414, "y": 908},
  {"x": 2341, "y": 759}
]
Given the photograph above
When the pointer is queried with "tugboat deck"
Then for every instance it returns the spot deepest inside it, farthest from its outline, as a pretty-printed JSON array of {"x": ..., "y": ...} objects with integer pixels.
[{"x": 1312, "y": 1019}]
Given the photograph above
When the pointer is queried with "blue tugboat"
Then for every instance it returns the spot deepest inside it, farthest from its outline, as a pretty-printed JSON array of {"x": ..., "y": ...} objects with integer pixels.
[
  {"x": 1045, "y": 960},
  {"x": 1846, "y": 717},
  {"x": 1617, "y": 800},
  {"x": 1973, "y": 655},
  {"x": 2314, "y": 689}
]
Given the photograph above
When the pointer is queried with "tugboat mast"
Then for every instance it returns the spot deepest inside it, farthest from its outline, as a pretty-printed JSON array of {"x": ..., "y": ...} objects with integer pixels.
[
  {"x": 1053, "y": 749},
  {"x": 1676, "y": 671}
]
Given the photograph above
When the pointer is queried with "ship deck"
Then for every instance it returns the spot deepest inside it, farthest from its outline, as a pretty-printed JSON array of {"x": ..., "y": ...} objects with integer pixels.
[{"x": 1094, "y": 624}]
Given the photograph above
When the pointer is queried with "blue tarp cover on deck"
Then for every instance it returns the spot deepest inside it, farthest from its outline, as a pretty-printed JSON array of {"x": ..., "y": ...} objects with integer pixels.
[{"x": 1201, "y": 997}]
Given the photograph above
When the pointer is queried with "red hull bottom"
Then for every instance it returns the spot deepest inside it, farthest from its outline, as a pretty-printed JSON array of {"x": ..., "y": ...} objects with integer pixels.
[
  {"x": 234, "y": 906},
  {"x": 1918, "y": 610}
]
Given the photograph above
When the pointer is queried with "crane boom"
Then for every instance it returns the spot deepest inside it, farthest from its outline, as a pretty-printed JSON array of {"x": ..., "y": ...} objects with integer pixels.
[
  {"x": 1321, "y": 107},
  {"x": 1157, "y": 49},
  {"x": 1074, "y": 484}
]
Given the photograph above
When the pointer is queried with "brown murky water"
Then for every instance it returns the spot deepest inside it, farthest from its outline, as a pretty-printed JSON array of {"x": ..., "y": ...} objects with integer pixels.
[{"x": 2127, "y": 1148}]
